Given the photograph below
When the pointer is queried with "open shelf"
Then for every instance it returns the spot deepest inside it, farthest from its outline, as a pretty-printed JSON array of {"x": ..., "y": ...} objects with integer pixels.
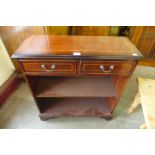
[
  {"x": 54, "y": 107},
  {"x": 75, "y": 87}
]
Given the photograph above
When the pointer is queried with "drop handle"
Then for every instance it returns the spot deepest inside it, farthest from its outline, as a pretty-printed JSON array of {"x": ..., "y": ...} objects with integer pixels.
[
  {"x": 43, "y": 66},
  {"x": 48, "y": 70},
  {"x": 102, "y": 68},
  {"x": 53, "y": 67}
]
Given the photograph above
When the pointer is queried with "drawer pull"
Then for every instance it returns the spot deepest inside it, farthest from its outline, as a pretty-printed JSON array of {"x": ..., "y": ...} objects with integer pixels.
[
  {"x": 48, "y": 70},
  {"x": 102, "y": 68},
  {"x": 53, "y": 67}
]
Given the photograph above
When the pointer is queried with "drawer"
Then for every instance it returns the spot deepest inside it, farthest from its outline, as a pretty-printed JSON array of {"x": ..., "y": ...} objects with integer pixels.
[
  {"x": 106, "y": 67},
  {"x": 49, "y": 66}
]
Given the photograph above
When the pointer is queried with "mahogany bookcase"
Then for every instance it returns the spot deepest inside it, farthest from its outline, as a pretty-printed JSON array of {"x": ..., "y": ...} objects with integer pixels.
[{"x": 76, "y": 75}]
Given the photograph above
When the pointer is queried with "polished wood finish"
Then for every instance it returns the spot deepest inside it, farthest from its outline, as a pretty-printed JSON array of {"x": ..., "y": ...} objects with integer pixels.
[
  {"x": 97, "y": 107},
  {"x": 88, "y": 67},
  {"x": 118, "y": 67},
  {"x": 76, "y": 87},
  {"x": 89, "y": 74},
  {"x": 99, "y": 47},
  {"x": 60, "y": 66},
  {"x": 13, "y": 36}
]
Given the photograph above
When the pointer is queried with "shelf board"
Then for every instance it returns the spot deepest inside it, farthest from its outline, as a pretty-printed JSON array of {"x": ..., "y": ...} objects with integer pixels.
[
  {"x": 76, "y": 87},
  {"x": 55, "y": 107}
]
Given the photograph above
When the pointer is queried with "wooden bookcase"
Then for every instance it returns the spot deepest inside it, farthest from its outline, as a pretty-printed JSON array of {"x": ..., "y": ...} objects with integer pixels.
[{"x": 76, "y": 75}]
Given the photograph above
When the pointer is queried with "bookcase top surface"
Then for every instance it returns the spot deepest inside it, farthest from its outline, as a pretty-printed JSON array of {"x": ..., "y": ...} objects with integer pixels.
[{"x": 87, "y": 47}]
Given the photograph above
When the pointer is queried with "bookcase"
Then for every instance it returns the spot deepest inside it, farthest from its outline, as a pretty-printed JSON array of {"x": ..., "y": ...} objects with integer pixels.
[{"x": 76, "y": 75}]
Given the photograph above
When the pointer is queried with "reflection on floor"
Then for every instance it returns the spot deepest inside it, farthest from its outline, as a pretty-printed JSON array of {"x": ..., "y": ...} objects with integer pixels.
[{"x": 20, "y": 111}]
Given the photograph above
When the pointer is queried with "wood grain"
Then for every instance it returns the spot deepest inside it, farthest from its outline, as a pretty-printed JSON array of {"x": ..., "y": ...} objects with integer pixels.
[
  {"x": 147, "y": 62},
  {"x": 136, "y": 34},
  {"x": 102, "y": 47},
  {"x": 76, "y": 92},
  {"x": 13, "y": 36},
  {"x": 144, "y": 39},
  {"x": 147, "y": 42},
  {"x": 92, "y": 30},
  {"x": 76, "y": 87},
  {"x": 61, "y": 66},
  {"x": 74, "y": 107},
  {"x": 57, "y": 30},
  {"x": 119, "y": 67}
]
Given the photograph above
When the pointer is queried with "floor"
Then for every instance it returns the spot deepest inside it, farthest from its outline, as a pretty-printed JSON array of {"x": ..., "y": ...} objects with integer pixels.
[{"x": 20, "y": 111}]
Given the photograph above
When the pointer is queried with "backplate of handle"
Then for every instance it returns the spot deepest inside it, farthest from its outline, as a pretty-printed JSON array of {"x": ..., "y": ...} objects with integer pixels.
[
  {"x": 102, "y": 68},
  {"x": 53, "y": 66}
]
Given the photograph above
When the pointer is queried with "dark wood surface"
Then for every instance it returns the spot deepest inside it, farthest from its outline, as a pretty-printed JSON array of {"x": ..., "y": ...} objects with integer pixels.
[
  {"x": 76, "y": 67},
  {"x": 13, "y": 36},
  {"x": 61, "y": 66},
  {"x": 95, "y": 47},
  {"x": 119, "y": 67},
  {"x": 74, "y": 107},
  {"x": 76, "y": 87}
]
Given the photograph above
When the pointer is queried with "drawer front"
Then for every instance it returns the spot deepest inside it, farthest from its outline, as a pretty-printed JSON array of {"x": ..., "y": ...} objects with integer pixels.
[
  {"x": 51, "y": 66},
  {"x": 106, "y": 67}
]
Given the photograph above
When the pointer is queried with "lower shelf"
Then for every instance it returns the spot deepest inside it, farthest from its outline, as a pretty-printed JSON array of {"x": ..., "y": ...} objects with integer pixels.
[
  {"x": 73, "y": 107},
  {"x": 75, "y": 87}
]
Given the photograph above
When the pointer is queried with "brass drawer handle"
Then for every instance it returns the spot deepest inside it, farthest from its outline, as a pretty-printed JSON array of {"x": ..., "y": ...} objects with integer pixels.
[
  {"x": 102, "y": 68},
  {"x": 53, "y": 67},
  {"x": 48, "y": 70}
]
